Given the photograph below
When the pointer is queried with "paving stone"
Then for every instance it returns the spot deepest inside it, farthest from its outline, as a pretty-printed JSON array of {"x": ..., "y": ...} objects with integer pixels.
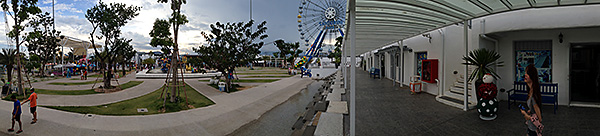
[
  {"x": 330, "y": 124},
  {"x": 334, "y": 97},
  {"x": 338, "y": 107}
]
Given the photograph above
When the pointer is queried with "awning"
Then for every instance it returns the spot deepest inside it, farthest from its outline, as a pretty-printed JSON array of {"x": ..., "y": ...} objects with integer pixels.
[
  {"x": 383, "y": 22},
  {"x": 79, "y": 46}
]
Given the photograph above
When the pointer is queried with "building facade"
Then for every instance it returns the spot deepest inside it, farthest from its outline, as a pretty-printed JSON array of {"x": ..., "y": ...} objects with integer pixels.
[{"x": 562, "y": 42}]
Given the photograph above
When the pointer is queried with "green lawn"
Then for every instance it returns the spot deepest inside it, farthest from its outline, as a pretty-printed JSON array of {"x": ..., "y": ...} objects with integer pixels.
[
  {"x": 19, "y": 97},
  {"x": 100, "y": 75},
  {"x": 236, "y": 87},
  {"x": 75, "y": 83},
  {"x": 83, "y": 92},
  {"x": 267, "y": 76},
  {"x": 150, "y": 101}
]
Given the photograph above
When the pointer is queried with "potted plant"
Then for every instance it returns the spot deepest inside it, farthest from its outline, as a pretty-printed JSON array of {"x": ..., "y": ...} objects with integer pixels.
[{"x": 483, "y": 60}]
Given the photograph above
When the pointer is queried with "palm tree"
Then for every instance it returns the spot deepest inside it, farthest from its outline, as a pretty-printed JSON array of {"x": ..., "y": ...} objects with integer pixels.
[
  {"x": 8, "y": 58},
  {"x": 482, "y": 59}
]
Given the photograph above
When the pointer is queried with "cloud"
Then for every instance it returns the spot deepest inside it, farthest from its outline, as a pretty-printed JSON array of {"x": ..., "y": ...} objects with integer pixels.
[{"x": 280, "y": 16}]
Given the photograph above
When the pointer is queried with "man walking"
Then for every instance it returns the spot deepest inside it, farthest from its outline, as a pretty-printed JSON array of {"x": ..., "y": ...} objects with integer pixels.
[
  {"x": 32, "y": 105},
  {"x": 16, "y": 115}
]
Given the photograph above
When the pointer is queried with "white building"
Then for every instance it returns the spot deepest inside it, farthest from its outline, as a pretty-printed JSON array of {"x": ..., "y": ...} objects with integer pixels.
[{"x": 563, "y": 43}]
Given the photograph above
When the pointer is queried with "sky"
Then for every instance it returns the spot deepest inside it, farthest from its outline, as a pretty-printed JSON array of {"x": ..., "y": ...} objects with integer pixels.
[{"x": 281, "y": 17}]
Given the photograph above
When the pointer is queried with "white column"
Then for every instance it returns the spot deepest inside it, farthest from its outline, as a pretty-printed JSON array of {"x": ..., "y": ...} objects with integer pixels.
[
  {"x": 352, "y": 67},
  {"x": 466, "y": 86},
  {"x": 401, "y": 63}
]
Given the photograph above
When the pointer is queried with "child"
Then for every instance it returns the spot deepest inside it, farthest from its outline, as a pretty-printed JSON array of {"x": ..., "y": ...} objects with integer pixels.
[
  {"x": 16, "y": 115},
  {"x": 32, "y": 105}
]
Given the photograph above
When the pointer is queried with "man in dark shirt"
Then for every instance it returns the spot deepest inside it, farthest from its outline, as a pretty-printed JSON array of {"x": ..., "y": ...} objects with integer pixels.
[{"x": 16, "y": 115}]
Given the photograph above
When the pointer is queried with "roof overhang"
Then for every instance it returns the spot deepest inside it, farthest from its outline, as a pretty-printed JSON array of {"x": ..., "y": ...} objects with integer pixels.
[
  {"x": 79, "y": 46},
  {"x": 384, "y": 22}
]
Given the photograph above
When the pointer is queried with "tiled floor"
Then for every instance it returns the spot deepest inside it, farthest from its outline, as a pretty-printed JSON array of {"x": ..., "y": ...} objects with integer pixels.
[{"x": 384, "y": 109}]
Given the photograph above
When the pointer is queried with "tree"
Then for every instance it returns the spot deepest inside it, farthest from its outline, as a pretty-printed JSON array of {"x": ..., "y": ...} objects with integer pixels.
[
  {"x": 33, "y": 62},
  {"x": 289, "y": 51},
  {"x": 231, "y": 45},
  {"x": 109, "y": 19},
  {"x": 125, "y": 54},
  {"x": 148, "y": 61},
  {"x": 20, "y": 11},
  {"x": 176, "y": 20},
  {"x": 8, "y": 57},
  {"x": 337, "y": 52},
  {"x": 43, "y": 40}
]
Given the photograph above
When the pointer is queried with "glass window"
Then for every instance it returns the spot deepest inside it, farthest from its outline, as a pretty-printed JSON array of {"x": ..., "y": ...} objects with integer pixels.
[{"x": 538, "y": 53}]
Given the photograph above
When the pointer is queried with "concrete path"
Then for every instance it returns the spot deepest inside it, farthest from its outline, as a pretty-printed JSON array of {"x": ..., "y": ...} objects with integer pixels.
[
  {"x": 46, "y": 85},
  {"x": 144, "y": 88},
  {"x": 229, "y": 113}
]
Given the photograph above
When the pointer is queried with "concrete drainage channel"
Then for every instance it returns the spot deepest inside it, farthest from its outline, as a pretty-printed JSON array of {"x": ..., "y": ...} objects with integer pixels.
[{"x": 327, "y": 114}]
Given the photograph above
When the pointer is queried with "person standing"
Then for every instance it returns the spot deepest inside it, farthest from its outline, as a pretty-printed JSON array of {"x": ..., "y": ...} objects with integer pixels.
[
  {"x": 534, "y": 101},
  {"x": 32, "y": 105},
  {"x": 16, "y": 115}
]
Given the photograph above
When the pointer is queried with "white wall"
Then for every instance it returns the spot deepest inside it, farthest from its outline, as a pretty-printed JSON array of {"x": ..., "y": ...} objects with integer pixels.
[
  {"x": 579, "y": 24},
  {"x": 560, "y": 54}
]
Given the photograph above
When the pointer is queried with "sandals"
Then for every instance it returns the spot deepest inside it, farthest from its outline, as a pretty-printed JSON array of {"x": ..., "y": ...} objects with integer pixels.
[
  {"x": 33, "y": 122},
  {"x": 11, "y": 130}
]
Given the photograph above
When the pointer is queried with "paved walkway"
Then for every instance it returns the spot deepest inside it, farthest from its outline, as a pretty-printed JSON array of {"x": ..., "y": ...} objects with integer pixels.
[
  {"x": 46, "y": 85},
  {"x": 383, "y": 109},
  {"x": 229, "y": 113},
  {"x": 144, "y": 88}
]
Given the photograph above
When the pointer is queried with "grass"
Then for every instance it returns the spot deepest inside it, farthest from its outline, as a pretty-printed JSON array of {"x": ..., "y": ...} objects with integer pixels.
[
  {"x": 236, "y": 87},
  {"x": 263, "y": 76},
  {"x": 249, "y": 80},
  {"x": 150, "y": 101},
  {"x": 75, "y": 83},
  {"x": 19, "y": 97},
  {"x": 83, "y": 92},
  {"x": 100, "y": 75}
]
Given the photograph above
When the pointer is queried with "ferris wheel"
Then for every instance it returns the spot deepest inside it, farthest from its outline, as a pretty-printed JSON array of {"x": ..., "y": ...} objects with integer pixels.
[{"x": 320, "y": 21}]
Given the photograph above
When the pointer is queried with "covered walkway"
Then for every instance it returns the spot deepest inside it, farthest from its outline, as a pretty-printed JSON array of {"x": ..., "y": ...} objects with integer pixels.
[{"x": 384, "y": 109}]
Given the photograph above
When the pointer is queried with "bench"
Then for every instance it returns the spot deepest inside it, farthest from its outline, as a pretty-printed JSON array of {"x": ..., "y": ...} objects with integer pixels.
[
  {"x": 375, "y": 73},
  {"x": 519, "y": 92}
]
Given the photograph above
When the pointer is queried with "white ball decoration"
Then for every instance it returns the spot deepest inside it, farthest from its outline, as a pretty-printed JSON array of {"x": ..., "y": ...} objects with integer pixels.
[
  {"x": 487, "y": 78},
  {"x": 495, "y": 109},
  {"x": 483, "y": 104},
  {"x": 491, "y": 102}
]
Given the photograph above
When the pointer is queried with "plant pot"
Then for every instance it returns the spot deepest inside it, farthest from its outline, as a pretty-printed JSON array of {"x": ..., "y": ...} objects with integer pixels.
[{"x": 487, "y": 109}]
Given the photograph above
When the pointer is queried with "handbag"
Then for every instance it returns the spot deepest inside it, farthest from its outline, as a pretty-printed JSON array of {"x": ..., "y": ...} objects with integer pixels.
[{"x": 537, "y": 123}]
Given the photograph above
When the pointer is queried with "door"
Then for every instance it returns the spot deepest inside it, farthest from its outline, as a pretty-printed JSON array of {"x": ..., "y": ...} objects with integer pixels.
[
  {"x": 585, "y": 72},
  {"x": 382, "y": 69}
]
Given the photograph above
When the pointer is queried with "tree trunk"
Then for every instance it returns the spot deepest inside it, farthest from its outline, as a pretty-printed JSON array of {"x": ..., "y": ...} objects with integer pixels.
[
  {"x": 174, "y": 67},
  {"x": 123, "y": 67},
  {"x": 228, "y": 81},
  {"x": 9, "y": 69},
  {"x": 42, "y": 69},
  {"x": 107, "y": 77},
  {"x": 19, "y": 76}
]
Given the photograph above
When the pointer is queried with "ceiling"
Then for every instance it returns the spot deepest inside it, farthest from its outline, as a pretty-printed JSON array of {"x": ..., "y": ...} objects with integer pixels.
[{"x": 383, "y": 22}]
